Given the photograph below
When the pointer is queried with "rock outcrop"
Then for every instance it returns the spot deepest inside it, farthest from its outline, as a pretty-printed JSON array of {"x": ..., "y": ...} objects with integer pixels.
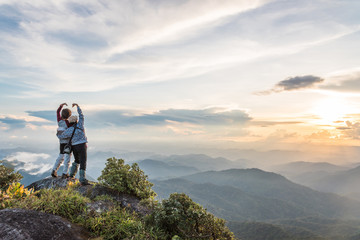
[
  {"x": 22, "y": 224},
  {"x": 93, "y": 191},
  {"x": 18, "y": 224},
  {"x": 50, "y": 183}
]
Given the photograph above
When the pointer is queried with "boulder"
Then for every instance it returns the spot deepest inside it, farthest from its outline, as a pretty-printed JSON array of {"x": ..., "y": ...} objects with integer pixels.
[
  {"x": 50, "y": 183},
  {"x": 92, "y": 191},
  {"x": 25, "y": 224}
]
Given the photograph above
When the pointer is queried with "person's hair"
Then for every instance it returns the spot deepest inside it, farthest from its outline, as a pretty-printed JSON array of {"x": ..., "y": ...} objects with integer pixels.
[
  {"x": 73, "y": 119},
  {"x": 65, "y": 113}
]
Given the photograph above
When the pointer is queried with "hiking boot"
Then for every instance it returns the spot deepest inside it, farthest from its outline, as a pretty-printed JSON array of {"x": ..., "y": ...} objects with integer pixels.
[
  {"x": 64, "y": 176},
  {"x": 54, "y": 174},
  {"x": 83, "y": 181},
  {"x": 73, "y": 170}
]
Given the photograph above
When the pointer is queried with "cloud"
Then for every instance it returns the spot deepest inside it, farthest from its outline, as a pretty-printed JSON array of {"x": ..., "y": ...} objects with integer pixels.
[
  {"x": 13, "y": 123},
  {"x": 294, "y": 83},
  {"x": 50, "y": 45},
  {"x": 352, "y": 130},
  {"x": 34, "y": 163},
  {"x": 345, "y": 82},
  {"x": 48, "y": 115},
  {"x": 282, "y": 135},
  {"x": 323, "y": 134},
  {"x": 209, "y": 116},
  {"x": 119, "y": 29},
  {"x": 182, "y": 129},
  {"x": 273, "y": 123}
]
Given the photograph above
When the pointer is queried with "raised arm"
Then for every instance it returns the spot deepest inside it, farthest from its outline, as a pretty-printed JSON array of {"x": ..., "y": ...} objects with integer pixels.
[
  {"x": 81, "y": 116},
  {"x": 58, "y": 116}
]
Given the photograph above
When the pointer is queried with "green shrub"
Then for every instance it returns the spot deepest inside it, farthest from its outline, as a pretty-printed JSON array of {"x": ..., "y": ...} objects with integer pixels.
[
  {"x": 149, "y": 203},
  {"x": 176, "y": 218},
  {"x": 126, "y": 178},
  {"x": 120, "y": 224},
  {"x": 8, "y": 176},
  {"x": 104, "y": 198},
  {"x": 63, "y": 202},
  {"x": 68, "y": 203},
  {"x": 14, "y": 193},
  {"x": 179, "y": 215}
]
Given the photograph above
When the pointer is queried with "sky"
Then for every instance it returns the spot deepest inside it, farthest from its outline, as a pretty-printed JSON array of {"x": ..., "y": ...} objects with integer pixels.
[{"x": 160, "y": 74}]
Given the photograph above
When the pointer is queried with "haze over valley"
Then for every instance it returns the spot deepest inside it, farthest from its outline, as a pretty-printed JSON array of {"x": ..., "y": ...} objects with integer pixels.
[{"x": 292, "y": 199}]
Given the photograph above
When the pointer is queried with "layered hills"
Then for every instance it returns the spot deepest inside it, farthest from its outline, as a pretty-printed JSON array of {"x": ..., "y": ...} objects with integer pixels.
[
  {"x": 258, "y": 203},
  {"x": 161, "y": 170},
  {"x": 342, "y": 182},
  {"x": 260, "y": 195}
]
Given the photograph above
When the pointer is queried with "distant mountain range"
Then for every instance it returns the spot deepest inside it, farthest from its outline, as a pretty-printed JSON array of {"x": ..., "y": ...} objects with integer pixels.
[
  {"x": 268, "y": 231},
  {"x": 307, "y": 173},
  {"x": 161, "y": 170},
  {"x": 309, "y": 228},
  {"x": 230, "y": 202},
  {"x": 252, "y": 186},
  {"x": 258, "y": 204},
  {"x": 166, "y": 167},
  {"x": 201, "y": 162},
  {"x": 279, "y": 206},
  {"x": 324, "y": 177},
  {"x": 298, "y": 168},
  {"x": 343, "y": 182}
]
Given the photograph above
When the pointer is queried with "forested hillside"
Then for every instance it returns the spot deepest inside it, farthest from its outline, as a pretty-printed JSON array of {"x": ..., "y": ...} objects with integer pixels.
[{"x": 282, "y": 209}]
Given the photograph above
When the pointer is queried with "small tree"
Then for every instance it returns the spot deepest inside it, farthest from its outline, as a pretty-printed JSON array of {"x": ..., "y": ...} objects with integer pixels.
[
  {"x": 8, "y": 176},
  {"x": 179, "y": 215},
  {"x": 126, "y": 178}
]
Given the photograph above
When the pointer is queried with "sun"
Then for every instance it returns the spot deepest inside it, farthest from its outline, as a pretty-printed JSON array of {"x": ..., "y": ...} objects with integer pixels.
[{"x": 331, "y": 110}]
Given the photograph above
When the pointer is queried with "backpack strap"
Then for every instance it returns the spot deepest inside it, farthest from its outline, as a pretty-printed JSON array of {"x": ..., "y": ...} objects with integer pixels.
[{"x": 72, "y": 134}]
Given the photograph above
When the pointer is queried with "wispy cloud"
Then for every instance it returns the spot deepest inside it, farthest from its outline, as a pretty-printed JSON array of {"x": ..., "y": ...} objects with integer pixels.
[
  {"x": 117, "y": 27},
  {"x": 13, "y": 122},
  {"x": 273, "y": 123},
  {"x": 177, "y": 21},
  {"x": 208, "y": 116},
  {"x": 294, "y": 83},
  {"x": 348, "y": 81},
  {"x": 47, "y": 115},
  {"x": 142, "y": 41}
]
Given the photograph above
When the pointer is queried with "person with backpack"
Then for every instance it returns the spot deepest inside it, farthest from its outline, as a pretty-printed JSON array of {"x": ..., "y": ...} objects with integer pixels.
[
  {"x": 78, "y": 145},
  {"x": 62, "y": 116}
]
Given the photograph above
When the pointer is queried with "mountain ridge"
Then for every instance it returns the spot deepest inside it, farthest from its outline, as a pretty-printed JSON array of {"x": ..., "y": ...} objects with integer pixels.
[
  {"x": 156, "y": 169},
  {"x": 269, "y": 185}
]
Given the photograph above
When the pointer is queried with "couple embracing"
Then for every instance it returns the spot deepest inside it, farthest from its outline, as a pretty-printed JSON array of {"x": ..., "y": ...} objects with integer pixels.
[{"x": 71, "y": 134}]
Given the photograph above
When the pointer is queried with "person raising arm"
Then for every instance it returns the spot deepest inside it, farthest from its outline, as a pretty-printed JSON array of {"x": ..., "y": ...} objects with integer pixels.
[
  {"x": 79, "y": 145},
  {"x": 62, "y": 116}
]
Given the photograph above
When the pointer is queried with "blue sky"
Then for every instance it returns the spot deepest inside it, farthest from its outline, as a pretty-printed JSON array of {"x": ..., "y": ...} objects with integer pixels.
[{"x": 228, "y": 74}]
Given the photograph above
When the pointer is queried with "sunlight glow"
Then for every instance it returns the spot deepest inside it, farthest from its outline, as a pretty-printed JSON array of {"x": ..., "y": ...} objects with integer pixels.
[{"x": 331, "y": 110}]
